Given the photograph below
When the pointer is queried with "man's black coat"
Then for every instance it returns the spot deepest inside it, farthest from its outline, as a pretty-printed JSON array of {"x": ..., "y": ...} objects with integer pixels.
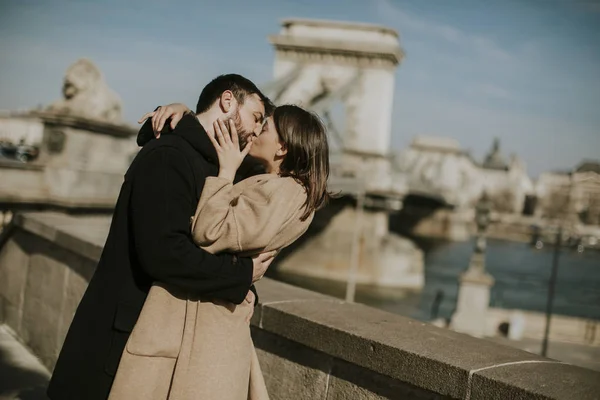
[{"x": 149, "y": 240}]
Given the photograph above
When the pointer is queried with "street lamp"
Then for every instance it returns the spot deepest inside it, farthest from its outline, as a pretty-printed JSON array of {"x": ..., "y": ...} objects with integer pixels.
[
  {"x": 482, "y": 219},
  {"x": 551, "y": 286},
  {"x": 555, "y": 259},
  {"x": 356, "y": 187}
]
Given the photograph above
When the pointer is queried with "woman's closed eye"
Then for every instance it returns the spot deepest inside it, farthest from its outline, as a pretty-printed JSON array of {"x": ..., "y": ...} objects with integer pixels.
[
  {"x": 265, "y": 126},
  {"x": 262, "y": 130}
]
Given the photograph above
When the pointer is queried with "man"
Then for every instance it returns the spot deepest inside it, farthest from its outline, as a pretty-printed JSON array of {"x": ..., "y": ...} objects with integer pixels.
[{"x": 150, "y": 241}]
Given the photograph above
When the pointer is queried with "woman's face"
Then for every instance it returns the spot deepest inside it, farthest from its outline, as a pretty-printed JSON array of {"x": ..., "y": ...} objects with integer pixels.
[{"x": 267, "y": 146}]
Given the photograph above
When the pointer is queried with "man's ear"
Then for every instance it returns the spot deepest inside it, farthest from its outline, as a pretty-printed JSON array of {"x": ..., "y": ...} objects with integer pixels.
[{"x": 226, "y": 101}]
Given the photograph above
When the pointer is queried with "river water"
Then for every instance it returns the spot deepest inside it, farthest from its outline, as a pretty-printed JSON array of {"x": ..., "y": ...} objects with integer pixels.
[{"x": 521, "y": 276}]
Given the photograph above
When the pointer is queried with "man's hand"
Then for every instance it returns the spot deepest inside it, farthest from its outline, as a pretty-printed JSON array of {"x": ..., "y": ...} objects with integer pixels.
[
  {"x": 174, "y": 111},
  {"x": 250, "y": 297},
  {"x": 250, "y": 300},
  {"x": 261, "y": 263}
]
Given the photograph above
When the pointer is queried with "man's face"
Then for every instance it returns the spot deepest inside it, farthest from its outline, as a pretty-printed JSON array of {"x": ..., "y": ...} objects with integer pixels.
[{"x": 248, "y": 118}]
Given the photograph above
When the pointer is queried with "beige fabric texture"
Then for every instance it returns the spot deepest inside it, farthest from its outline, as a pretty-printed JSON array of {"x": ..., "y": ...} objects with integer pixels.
[{"x": 185, "y": 348}]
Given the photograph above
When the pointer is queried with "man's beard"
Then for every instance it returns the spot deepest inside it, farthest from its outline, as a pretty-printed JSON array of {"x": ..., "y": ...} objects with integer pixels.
[{"x": 243, "y": 135}]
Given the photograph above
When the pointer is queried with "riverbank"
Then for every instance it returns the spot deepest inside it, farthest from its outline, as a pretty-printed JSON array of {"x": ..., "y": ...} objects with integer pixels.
[
  {"x": 521, "y": 274},
  {"x": 459, "y": 225}
]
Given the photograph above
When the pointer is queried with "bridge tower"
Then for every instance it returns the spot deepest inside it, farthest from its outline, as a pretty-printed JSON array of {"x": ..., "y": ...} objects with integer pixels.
[
  {"x": 322, "y": 64},
  {"x": 319, "y": 63}
]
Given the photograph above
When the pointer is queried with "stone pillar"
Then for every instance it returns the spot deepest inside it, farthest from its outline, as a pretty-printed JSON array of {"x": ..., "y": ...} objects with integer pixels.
[
  {"x": 353, "y": 63},
  {"x": 475, "y": 283},
  {"x": 369, "y": 112},
  {"x": 473, "y": 298}
]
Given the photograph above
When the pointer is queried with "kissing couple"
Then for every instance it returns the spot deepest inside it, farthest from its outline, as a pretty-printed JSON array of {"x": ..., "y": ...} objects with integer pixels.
[{"x": 206, "y": 204}]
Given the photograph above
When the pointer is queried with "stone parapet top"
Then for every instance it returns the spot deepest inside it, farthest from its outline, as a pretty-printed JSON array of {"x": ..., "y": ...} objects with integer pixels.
[
  {"x": 83, "y": 235},
  {"x": 339, "y": 24},
  {"x": 438, "y": 360},
  {"x": 6, "y": 163},
  {"x": 20, "y": 201},
  {"x": 355, "y": 49},
  {"x": 76, "y": 122}
]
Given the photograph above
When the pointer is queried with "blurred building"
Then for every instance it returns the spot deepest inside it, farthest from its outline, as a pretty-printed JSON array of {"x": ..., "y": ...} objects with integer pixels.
[
  {"x": 507, "y": 182},
  {"x": 439, "y": 167},
  {"x": 573, "y": 196}
]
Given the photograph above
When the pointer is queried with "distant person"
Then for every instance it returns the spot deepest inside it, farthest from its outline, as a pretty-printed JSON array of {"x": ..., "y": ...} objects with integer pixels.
[
  {"x": 205, "y": 349},
  {"x": 435, "y": 306},
  {"x": 150, "y": 241}
]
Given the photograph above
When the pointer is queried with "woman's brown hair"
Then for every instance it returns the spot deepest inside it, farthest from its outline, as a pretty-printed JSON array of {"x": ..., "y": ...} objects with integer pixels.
[{"x": 307, "y": 159}]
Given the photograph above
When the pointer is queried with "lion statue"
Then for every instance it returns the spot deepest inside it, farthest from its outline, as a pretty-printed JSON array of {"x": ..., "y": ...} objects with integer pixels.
[{"x": 87, "y": 95}]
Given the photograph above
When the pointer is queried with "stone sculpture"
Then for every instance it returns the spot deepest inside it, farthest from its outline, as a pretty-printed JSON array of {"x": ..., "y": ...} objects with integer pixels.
[{"x": 87, "y": 95}]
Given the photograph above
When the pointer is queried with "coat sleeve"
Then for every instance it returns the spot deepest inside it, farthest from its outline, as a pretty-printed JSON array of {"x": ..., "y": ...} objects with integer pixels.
[
  {"x": 227, "y": 221},
  {"x": 162, "y": 203}
]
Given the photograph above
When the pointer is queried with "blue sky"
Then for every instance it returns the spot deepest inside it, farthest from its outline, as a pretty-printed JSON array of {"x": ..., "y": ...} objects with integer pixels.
[{"x": 526, "y": 71}]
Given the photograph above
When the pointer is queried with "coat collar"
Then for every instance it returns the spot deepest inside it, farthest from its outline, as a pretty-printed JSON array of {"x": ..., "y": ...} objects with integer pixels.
[{"x": 189, "y": 129}]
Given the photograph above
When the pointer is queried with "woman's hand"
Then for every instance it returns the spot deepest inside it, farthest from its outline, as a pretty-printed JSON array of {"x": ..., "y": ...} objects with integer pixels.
[
  {"x": 175, "y": 111},
  {"x": 227, "y": 144}
]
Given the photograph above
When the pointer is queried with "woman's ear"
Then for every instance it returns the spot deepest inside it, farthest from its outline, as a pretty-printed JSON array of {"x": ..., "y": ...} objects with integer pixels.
[{"x": 282, "y": 151}]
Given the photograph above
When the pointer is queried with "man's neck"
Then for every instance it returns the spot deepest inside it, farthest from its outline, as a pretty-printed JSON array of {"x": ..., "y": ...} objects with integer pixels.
[{"x": 206, "y": 119}]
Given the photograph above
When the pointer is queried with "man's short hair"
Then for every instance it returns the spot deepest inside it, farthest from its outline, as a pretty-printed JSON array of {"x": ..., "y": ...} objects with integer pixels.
[{"x": 238, "y": 85}]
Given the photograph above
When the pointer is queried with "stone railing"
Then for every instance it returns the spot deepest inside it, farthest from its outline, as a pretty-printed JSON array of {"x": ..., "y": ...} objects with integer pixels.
[{"x": 310, "y": 346}]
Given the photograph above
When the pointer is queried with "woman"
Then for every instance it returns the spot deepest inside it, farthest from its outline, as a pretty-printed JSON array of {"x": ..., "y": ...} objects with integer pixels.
[{"x": 205, "y": 350}]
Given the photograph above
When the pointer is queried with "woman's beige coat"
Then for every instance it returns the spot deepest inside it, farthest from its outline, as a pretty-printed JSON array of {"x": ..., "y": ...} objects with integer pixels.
[{"x": 184, "y": 347}]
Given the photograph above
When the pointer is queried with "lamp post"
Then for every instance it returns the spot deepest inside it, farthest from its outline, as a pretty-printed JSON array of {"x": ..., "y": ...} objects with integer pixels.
[
  {"x": 356, "y": 187},
  {"x": 554, "y": 274},
  {"x": 482, "y": 219},
  {"x": 551, "y": 286},
  {"x": 355, "y": 251}
]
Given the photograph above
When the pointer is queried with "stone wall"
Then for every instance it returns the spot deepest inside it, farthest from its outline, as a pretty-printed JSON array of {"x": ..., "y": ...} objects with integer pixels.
[
  {"x": 42, "y": 279},
  {"x": 310, "y": 346}
]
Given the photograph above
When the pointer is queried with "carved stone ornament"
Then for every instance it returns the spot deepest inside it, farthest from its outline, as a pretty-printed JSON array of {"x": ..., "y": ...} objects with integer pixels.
[{"x": 87, "y": 95}]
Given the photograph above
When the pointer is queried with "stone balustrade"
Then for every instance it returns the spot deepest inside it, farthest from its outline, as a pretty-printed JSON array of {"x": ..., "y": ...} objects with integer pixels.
[{"x": 310, "y": 346}]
